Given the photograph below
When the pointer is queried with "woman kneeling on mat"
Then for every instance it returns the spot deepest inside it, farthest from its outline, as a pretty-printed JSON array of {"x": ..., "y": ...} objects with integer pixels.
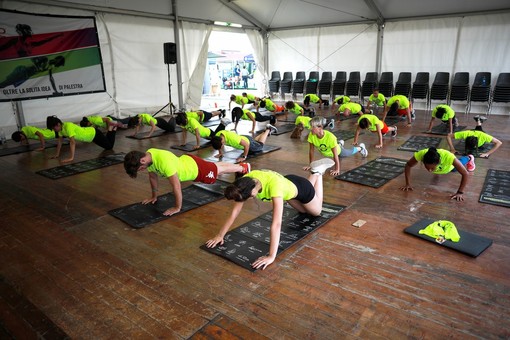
[
  {"x": 304, "y": 195},
  {"x": 440, "y": 162}
]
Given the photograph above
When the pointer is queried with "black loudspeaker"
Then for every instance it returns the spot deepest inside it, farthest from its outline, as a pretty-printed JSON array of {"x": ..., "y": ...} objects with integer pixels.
[{"x": 170, "y": 52}]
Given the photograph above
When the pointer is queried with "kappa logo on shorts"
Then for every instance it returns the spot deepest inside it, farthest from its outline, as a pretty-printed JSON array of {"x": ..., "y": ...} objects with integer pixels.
[{"x": 210, "y": 174}]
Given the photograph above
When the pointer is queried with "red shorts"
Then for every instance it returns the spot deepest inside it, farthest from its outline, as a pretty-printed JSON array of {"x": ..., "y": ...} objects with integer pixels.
[
  {"x": 279, "y": 108},
  {"x": 403, "y": 112},
  {"x": 207, "y": 171},
  {"x": 384, "y": 128}
]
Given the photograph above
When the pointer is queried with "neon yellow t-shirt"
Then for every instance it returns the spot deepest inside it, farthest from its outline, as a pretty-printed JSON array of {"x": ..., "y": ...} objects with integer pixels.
[
  {"x": 270, "y": 105},
  {"x": 326, "y": 144},
  {"x": 373, "y": 121},
  {"x": 447, "y": 115},
  {"x": 446, "y": 159},
  {"x": 355, "y": 108},
  {"x": 250, "y": 97},
  {"x": 403, "y": 102},
  {"x": 193, "y": 124},
  {"x": 313, "y": 98},
  {"x": 240, "y": 100},
  {"x": 379, "y": 100},
  {"x": 166, "y": 164},
  {"x": 273, "y": 185},
  {"x": 340, "y": 100},
  {"x": 98, "y": 121},
  {"x": 194, "y": 115},
  {"x": 233, "y": 139},
  {"x": 482, "y": 136},
  {"x": 296, "y": 109},
  {"x": 147, "y": 119},
  {"x": 81, "y": 134},
  {"x": 30, "y": 132},
  {"x": 305, "y": 120},
  {"x": 245, "y": 114}
]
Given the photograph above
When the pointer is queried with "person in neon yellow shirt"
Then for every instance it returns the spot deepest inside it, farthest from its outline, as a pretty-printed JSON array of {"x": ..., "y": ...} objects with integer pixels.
[
  {"x": 399, "y": 105},
  {"x": 302, "y": 122},
  {"x": 75, "y": 133},
  {"x": 32, "y": 132},
  {"x": 204, "y": 116},
  {"x": 312, "y": 98},
  {"x": 192, "y": 126},
  {"x": 350, "y": 108},
  {"x": 99, "y": 122},
  {"x": 377, "y": 99},
  {"x": 146, "y": 119},
  {"x": 248, "y": 144},
  {"x": 294, "y": 108},
  {"x": 270, "y": 106},
  {"x": 439, "y": 161},
  {"x": 252, "y": 99},
  {"x": 326, "y": 143},
  {"x": 340, "y": 100},
  {"x": 239, "y": 114},
  {"x": 237, "y": 99},
  {"x": 473, "y": 140},
  {"x": 185, "y": 168},
  {"x": 375, "y": 125},
  {"x": 304, "y": 195},
  {"x": 446, "y": 114}
]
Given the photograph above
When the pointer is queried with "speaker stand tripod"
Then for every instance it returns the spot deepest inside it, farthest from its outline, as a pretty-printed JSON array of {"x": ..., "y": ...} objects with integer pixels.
[{"x": 172, "y": 106}]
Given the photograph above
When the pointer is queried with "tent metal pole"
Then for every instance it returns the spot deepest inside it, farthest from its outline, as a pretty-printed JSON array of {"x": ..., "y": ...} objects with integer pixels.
[{"x": 178, "y": 44}]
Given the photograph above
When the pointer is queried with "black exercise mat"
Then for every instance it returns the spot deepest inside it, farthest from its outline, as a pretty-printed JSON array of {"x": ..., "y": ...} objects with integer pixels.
[
  {"x": 469, "y": 244},
  {"x": 393, "y": 120},
  {"x": 344, "y": 134},
  {"x": 417, "y": 143},
  {"x": 139, "y": 215},
  {"x": 232, "y": 154},
  {"x": 281, "y": 129},
  {"x": 157, "y": 133},
  {"x": 11, "y": 150},
  {"x": 496, "y": 188},
  {"x": 460, "y": 146},
  {"x": 444, "y": 129},
  {"x": 375, "y": 173},
  {"x": 80, "y": 167},
  {"x": 188, "y": 147},
  {"x": 246, "y": 243}
]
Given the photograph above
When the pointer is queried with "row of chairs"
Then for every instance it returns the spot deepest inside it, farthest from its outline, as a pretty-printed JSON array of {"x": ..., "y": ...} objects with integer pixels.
[{"x": 440, "y": 90}]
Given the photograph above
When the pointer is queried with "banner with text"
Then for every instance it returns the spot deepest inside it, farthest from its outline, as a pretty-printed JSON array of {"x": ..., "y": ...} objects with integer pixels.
[{"x": 48, "y": 56}]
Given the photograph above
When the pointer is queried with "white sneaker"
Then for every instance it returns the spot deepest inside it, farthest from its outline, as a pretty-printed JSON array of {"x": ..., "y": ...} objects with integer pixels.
[
  {"x": 225, "y": 121},
  {"x": 394, "y": 132},
  {"x": 319, "y": 167},
  {"x": 413, "y": 115},
  {"x": 363, "y": 151},
  {"x": 331, "y": 124},
  {"x": 341, "y": 142},
  {"x": 272, "y": 129}
]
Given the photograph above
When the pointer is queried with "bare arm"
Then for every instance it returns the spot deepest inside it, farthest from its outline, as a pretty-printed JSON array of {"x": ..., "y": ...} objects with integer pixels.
[
  {"x": 153, "y": 127},
  {"x": 356, "y": 135},
  {"x": 153, "y": 180},
  {"x": 311, "y": 152},
  {"x": 336, "y": 171},
  {"x": 176, "y": 188},
  {"x": 197, "y": 135},
  {"x": 41, "y": 140},
  {"x": 276, "y": 226},
  {"x": 379, "y": 133},
  {"x": 218, "y": 239},
  {"x": 183, "y": 135},
  {"x": 497, "y": 144},
  {"x": 464, "y": 173},
  {"x": 59, "y": 147},
  {"x": 72, "y": 148},
  {"x": 254, "y": 122},
  {"x": 430, "y": 124},
  {"x": 450, "y": 142},
  {"x": 246, "y": 149},
  {"x": 407, "y": 172},
  {"x": 450, "y": 125}
]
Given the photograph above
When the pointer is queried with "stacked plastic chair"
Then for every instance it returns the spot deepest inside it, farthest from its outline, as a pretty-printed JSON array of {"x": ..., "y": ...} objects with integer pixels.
[
  {"x": 403, "y": 84},
  {"x": 298, "y": 86},
  {"x": 338, "y": 88},
  {"x": 501, "y": 92},
  {"x": 312, "y": 82},
  {"x": 386, "y": 84},
  {"x": 421, "y": 88},
  {"x": 439, "y": 88},
  {"x": 325, "y": 84},
  {"x": 459, "y": 91},
  {"x": 274, "y": 82},
  {"x": 286, "y": 83},
  {"x": 481, "y": 89},
  {"x": 369, "y": 84},
  {"x": 352, "y": 88}
]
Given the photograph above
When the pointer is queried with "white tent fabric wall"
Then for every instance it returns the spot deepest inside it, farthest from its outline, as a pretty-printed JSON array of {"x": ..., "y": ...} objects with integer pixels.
[{"x": 257, "y": 42}]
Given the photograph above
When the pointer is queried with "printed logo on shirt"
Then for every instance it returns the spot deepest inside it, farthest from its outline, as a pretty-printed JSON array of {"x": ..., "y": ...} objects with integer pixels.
[{"x": 210, "y": 174}]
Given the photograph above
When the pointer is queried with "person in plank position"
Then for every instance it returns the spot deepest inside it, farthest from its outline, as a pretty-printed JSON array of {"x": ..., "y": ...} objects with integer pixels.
[
  {"x": 146, "y": 119},
  {"x": 32, "y": 132},
  {"x": 373, "y": 124},
  {"x": 244, "y": 114},
  {"x": 474, "y": 139},
  {"x": 447, "y": 116},
  {"x": 191, "y": 125},
  {"x": 176, "y": 170}
]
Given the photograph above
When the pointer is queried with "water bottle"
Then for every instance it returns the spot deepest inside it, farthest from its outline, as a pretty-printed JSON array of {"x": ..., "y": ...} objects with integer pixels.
[
  {"x": 484, "y": 81},
  {"x": 3, "y": 139}
]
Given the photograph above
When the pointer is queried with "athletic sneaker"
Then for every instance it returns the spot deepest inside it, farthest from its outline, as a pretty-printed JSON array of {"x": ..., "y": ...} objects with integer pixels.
[
  {"x": 222, "y": 113},
  {"x": 483, "y": 118},
  {"x": 272, "y": 129},
  {"x": 364, "y": 151},
  {"x": 413, "y": 115},
  {"x": 331, "y": 124},
  {"x": 371, "y": 111},
  {"x": 272, "y": 120},
  {"x": 225, "y": 121},
  {"x": 341, "y": 142},
  {"x": 319, "y": 167},
  {"x": 394, "y": 132},
  {"x": 246, "y": 168},
  {"x": 470, "y": 165}
]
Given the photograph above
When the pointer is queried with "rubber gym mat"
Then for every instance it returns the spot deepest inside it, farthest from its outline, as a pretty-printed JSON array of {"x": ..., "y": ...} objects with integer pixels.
[
  {"x": 393, "y": 120},
  {"x": 460, "y": 146},
  {"x": 344, "y": 134},
  {"x": 11, "y": 150},
  {"x": 230, "y": 155},
  {"x": 469, "y": 244},
  {"x": 140, "y": 215},
  {"x": 157, "y": 133},
  {"x": 281, "y": 129},
  {"x": 375, "y": 173},
  {"x": 443, "y": 129},
  {"x": 416, "y": 143},
  {"x": 188, "y": 147},
  {"x": 496, "y": 188},
  {"x": 80, "y": 167},
  {"x": 246, "y": 243}
]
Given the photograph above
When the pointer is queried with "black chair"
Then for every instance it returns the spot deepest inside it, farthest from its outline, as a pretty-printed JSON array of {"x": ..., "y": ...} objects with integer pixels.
[
  {"x": 325, "y": 84},
  {"x": 481, "y": 89},
  {"x": 370, "y": 82},
  {"x": 312, "y": 82},
  {"x": 421, "y": 86},
  {"x": 274, "y": 82},
  {"x": 501, "y": 93},
  {"x": 459, "y": 91},
  {"x": 403, "y": 84},
  {"x": 286, "y": 83},
  {"x": 386, "y": 84},
  {"x": 338, "y": 87},
  {"x": 439, "y": 88},
  {"x": 352, "y": 88},
  {"x": 298, "y": 86}
]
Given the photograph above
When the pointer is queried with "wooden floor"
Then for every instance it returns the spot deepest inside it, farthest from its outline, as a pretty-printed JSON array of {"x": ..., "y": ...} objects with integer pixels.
[{"x": 69, "y": 269}]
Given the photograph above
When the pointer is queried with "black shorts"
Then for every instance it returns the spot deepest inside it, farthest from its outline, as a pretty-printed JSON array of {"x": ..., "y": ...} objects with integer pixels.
[{"x": 306, "y": 191}]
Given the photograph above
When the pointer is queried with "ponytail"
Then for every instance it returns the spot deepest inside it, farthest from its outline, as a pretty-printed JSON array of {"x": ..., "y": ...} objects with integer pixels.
[{"x": 240, "y": 190}]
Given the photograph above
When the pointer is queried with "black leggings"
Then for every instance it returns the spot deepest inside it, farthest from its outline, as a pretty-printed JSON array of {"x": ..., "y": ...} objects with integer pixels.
[
  {"x": 106, "y": 142},
  {"x": 258, "y": 117},
  {"x": 306, "y": 191},
  {"x": 164, "y": 125},
  {"x": 218, "y": 129}
]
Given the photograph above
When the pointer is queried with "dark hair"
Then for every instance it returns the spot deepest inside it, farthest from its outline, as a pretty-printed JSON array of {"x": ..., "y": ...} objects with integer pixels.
[
  {"x": 216, "y": 142},
  {"x": 306, "y": 101},
  {"x": 375, "y": 89},
  {"x": 52, "y": 121},
  {"x": 132, "y": 162},
  {"x": 290, "y": 105},
  {"x": 363, "y": 123},
  {"x": 16, "y": 136},
  {"x": 84, "y": 122},
  {"x": 393, "y": 108},
  {"x": 237, "y": 113},
  {"x": 181, "y": 119},
  {"x": 471, "y": 143},
  {"x": 240, "y": 190},
  {"x": 440, "y": 111},
  {"x": 431, "y": 156},
  {"x": 244, "y": 94},
  {"x": 233, "y": 97},
  {"x": 133, "y": 121},
  {"x": 262, "y": 103}
]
